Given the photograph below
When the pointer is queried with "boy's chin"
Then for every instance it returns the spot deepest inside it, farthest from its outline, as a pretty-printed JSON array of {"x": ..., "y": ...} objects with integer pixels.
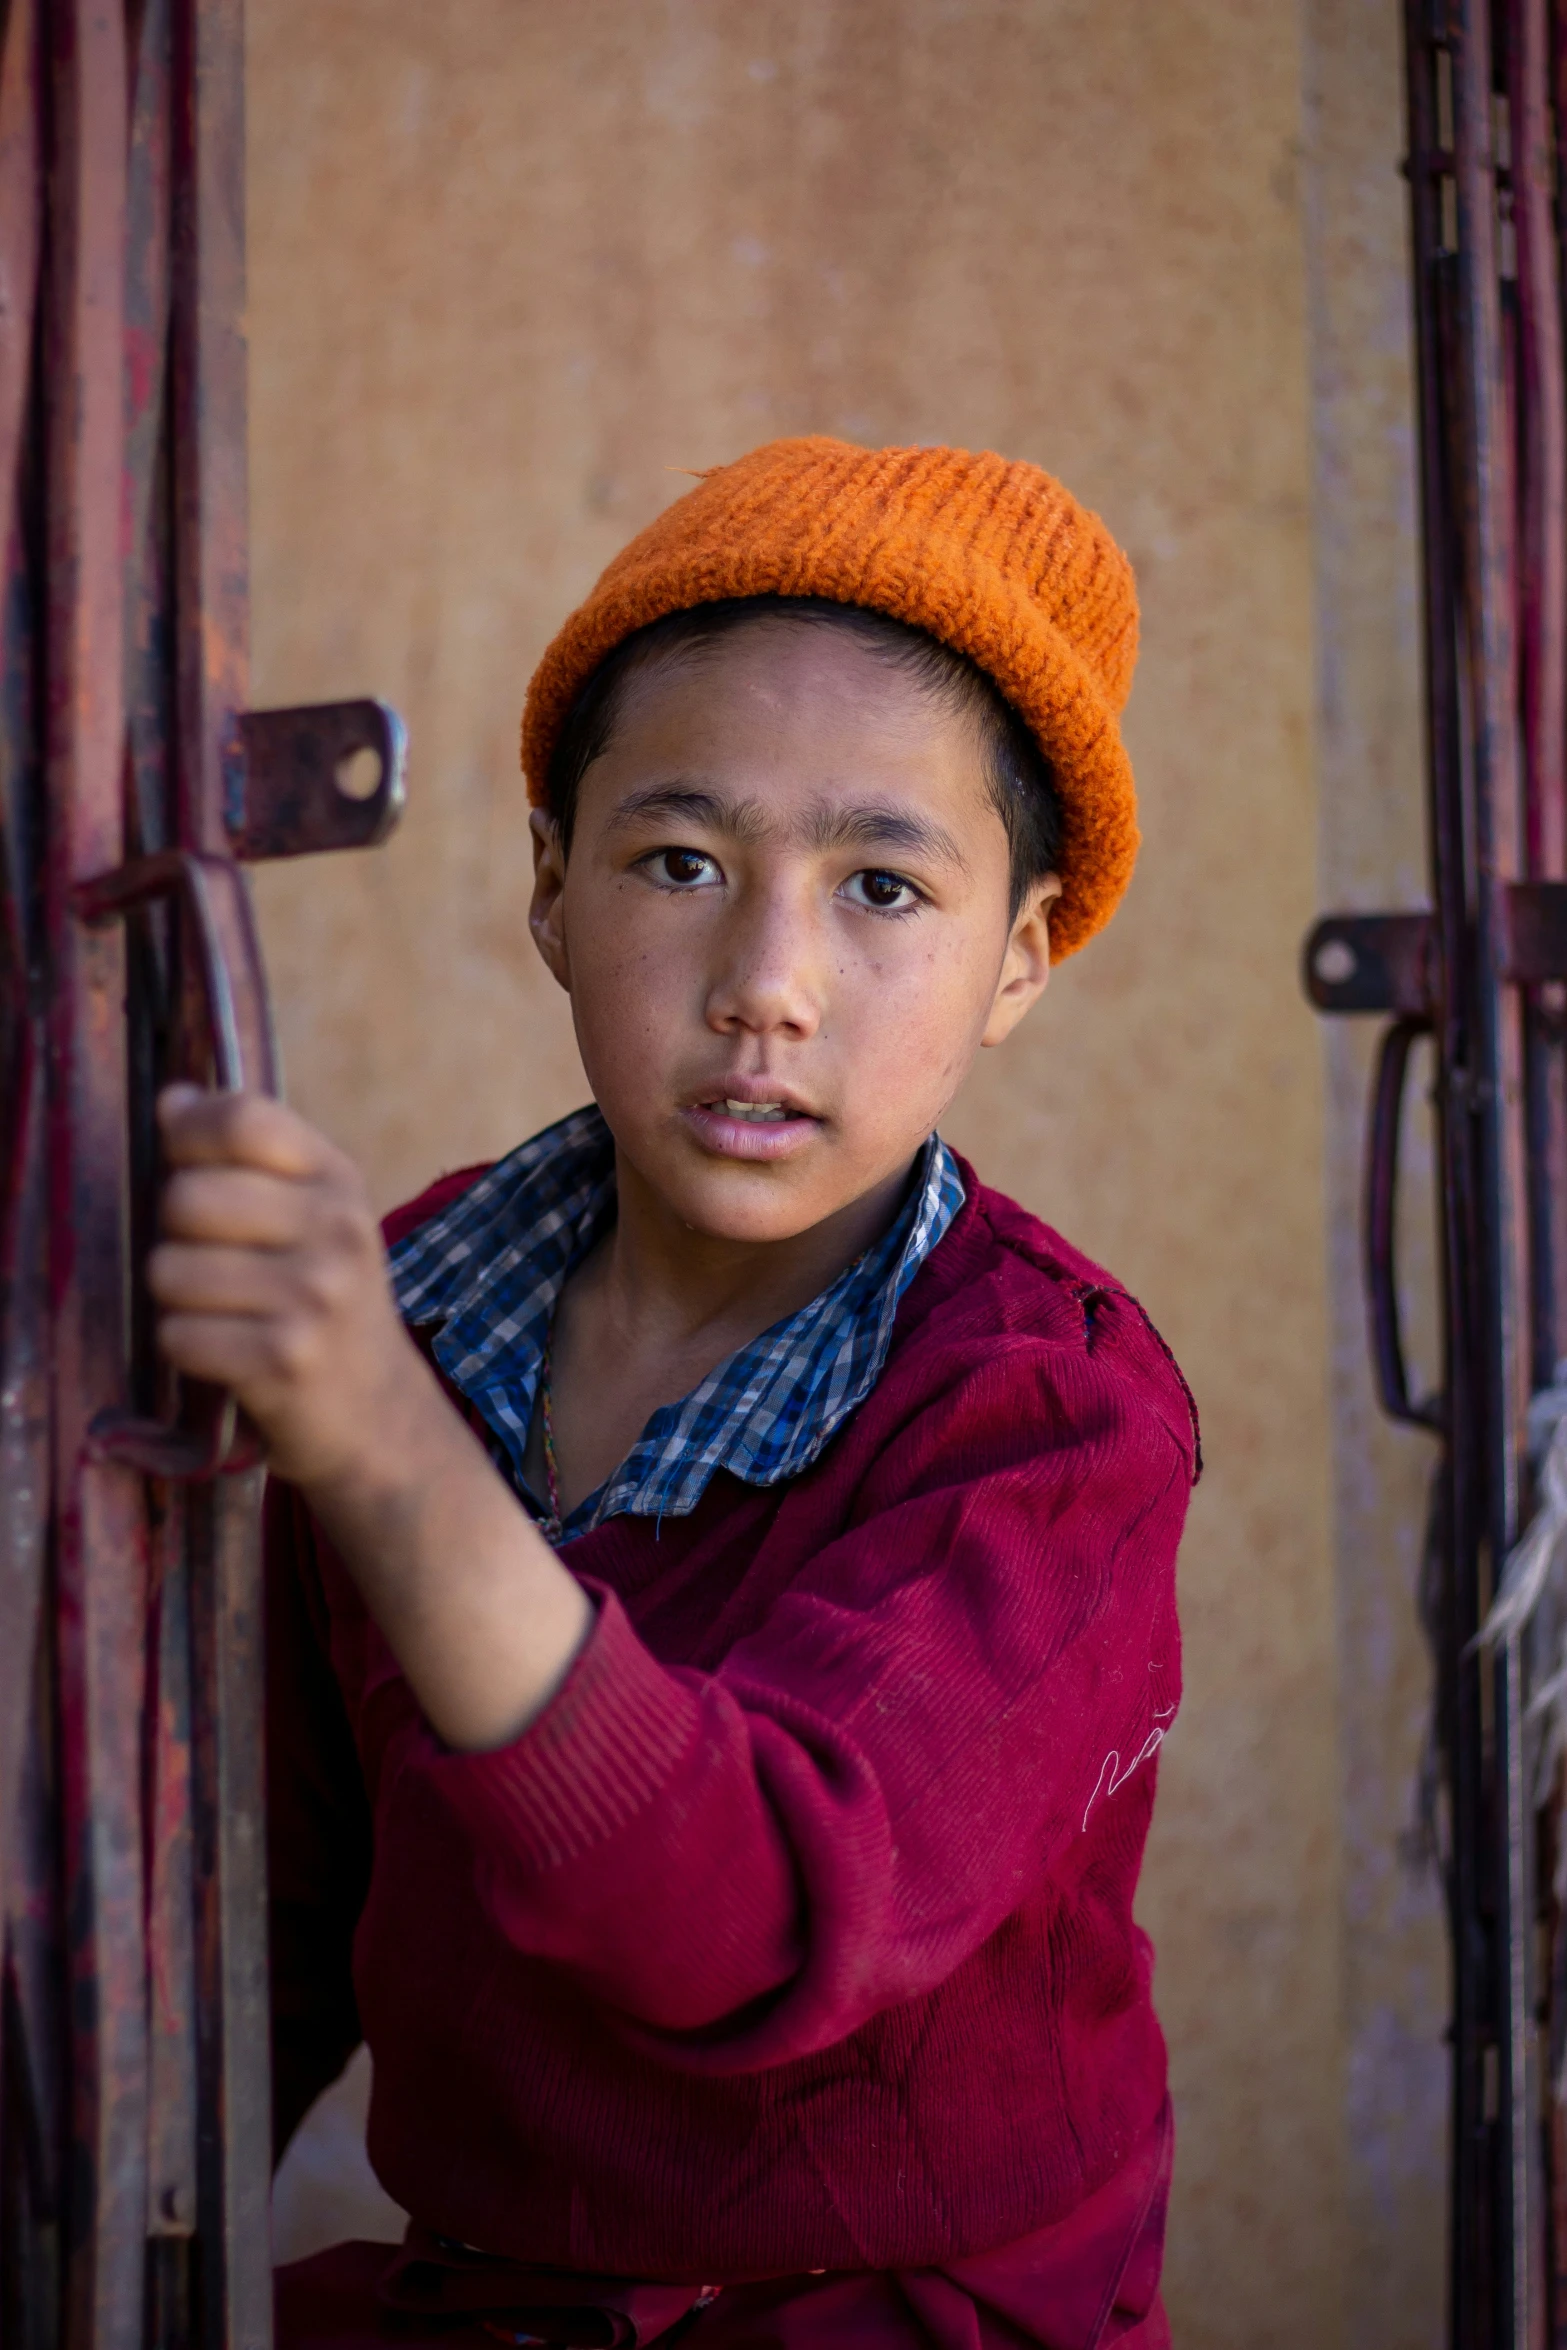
[
  {"x": 752, "y": 1202},
  {"x": 751, "y": 1205}
]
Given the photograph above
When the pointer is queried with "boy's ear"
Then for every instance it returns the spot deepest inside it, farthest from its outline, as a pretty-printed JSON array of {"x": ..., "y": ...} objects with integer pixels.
[
  {"x": 546, "y": 914},
  {"x": 1025, "y": 968}
]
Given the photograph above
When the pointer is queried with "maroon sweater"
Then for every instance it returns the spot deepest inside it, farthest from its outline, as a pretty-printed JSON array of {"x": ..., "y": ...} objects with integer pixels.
[{"x": 796, "y": 1933}]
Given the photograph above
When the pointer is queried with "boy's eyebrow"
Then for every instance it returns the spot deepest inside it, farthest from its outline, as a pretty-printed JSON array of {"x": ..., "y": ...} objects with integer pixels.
[
  {"x": 741, "y": 819},
  {"x": 866, "y": 824},
  {"x": 872, "y": 824}
]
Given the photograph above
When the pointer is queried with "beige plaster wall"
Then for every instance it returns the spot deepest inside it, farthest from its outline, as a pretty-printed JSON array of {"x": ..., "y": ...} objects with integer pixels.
[
  {"x": 1372, "y": 854},
  {"x": 511, "y": 263}
]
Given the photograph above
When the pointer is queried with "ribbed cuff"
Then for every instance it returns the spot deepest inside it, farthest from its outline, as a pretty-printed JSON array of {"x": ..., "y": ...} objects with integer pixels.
[{"x": 594, "y": 1758}]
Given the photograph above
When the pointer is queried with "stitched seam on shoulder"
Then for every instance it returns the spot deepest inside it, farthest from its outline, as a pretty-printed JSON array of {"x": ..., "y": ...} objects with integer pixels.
[{"x": 1080, "y": 1288}]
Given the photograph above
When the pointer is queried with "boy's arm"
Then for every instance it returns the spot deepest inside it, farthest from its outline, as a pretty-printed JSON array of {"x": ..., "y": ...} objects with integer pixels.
[{"x": 271, "y": 1278}]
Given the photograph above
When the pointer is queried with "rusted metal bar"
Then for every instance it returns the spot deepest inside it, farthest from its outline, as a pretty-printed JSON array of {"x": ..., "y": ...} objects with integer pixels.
[
  {"x": 1541, "y": 429},
  {"x": 1542, "y": 602},
  {"x": 211, "y": 522},
  {"x": 21, "y": 168},
  {"x": 1480, "y": 971},
  {"x": 211, "y": 503},
  {"x": 1487, "y": 533},
  {"x": 101, "y": 1563},
  {"x": 24, "y": 1427},
  {"x": 1457, "y": 1502},
  {"x": 221, "y": 927},
  {"x": 1390, "y": 962},
  {"x": 173, "y": 2096},
  {"x": 1381, "y": 1266},
  {"x": 134, "y": 2125},
  {"x": 33, "y": 2150},
  {"x": 219, "y": 930},
  {"x": 1486, "y": 972},
  {"x": 231, "y": 1941},
  {"x": 150, "y": 618}
]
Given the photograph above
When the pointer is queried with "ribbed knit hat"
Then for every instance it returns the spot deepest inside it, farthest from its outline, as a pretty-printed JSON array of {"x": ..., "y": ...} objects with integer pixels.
[{"x": 993, "y": 558}]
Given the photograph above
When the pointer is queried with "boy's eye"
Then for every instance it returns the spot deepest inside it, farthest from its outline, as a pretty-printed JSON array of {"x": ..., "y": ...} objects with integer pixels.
[
  {"x": 683, "y": 867},
  {"x": 886, "y": 893}
]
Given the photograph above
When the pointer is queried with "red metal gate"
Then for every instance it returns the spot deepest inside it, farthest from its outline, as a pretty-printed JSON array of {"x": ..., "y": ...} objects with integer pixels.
[
  {"x": 1482, "y": 975},
  {"x": 134, "y": 2114}
]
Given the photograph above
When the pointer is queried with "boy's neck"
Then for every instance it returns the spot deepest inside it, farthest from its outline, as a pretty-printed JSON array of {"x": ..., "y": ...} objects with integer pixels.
[
  {"x": 657, "y": 1306},
  {"x": 660, "y": 1285}
]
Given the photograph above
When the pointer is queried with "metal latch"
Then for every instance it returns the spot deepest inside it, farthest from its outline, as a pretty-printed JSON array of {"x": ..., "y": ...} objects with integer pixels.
[{"x": 1387, "y": 962}]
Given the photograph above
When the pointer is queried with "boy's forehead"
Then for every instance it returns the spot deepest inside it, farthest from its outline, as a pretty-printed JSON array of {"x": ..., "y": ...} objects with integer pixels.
[{"x": 806, "y": 713}]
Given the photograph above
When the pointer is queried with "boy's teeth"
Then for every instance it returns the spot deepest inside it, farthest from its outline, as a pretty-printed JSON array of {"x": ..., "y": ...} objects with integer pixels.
[{"x": 756, "y": 1112}]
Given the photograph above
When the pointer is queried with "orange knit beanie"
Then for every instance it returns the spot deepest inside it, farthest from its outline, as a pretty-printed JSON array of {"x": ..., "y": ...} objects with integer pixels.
[{"x": 994, "y": 559}]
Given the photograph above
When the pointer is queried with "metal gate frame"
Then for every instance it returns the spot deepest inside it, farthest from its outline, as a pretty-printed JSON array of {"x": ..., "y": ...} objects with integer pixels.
[
  {"x": 135, "y": 2149},
  {"x": 1482, "y": 977}
]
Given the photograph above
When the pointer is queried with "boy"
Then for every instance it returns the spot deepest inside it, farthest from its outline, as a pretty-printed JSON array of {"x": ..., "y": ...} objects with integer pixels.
[{"x": 711, "y": 1763}]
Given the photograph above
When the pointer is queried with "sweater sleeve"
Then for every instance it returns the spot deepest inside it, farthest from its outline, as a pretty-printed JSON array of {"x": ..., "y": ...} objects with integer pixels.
[
  {"x": 745, "y": 1865},
  {"x": 318, "y": 1830}
]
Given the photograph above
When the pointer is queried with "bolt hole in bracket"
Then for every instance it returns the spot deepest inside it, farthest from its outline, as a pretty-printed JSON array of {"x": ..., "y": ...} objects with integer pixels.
[
  {"x": 296, "y": 783},
  {"x": 1387, "y": 963},
  {"x": 326, "y": 776}
]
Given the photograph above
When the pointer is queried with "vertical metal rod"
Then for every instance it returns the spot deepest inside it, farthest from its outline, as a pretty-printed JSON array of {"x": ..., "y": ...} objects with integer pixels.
[
  {"x": 149, "y": 614},
  {"x": 1472, "y": 2251},
  {"x": 24, "y": 1497},
  {"x": 1542, "y": 606},
  {"x": 1486, "y": 520},
  {"x": 1542, "y": 507},
  {"x": 35, "y": 2085},
  {"x": 101, "y": 1556},
  {"x": 21, "y": 163},
  {"x": 236, "y": 2279},
  {"x": 210, "y": 489},
  {"x": 171, "y": 1895},
  {"x": 212, "y": 590}
]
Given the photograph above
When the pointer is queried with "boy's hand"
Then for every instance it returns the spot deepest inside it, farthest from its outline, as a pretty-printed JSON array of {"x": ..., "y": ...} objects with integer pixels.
[{"x": 272, "y": 1281}]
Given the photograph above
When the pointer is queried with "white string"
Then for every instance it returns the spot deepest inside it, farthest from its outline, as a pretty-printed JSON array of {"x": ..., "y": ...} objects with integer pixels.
[{"x": 1538, "y": 1556}]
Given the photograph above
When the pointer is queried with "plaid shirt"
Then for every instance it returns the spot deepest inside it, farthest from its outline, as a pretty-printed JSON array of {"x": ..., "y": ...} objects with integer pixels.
[{"x": 487, "y": 1272}]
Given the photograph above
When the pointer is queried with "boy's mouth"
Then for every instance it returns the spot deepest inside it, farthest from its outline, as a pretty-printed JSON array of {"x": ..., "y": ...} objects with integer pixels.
[
  {"x": 745, "y": 1126},
  {"x": 755, "y": 1113}
]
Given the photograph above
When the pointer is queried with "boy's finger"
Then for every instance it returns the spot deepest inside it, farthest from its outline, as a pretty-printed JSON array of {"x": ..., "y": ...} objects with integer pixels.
[
  {"x": 237, "y": 1204},
  {"x": 234, "y": 1350},
  {"x": 246, "y": 1129},
  {"x": 206, "y": 1280}
]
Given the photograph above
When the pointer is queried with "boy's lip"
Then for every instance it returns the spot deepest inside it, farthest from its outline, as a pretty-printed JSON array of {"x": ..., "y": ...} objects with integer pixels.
[{"x": 723, "y": 1119}]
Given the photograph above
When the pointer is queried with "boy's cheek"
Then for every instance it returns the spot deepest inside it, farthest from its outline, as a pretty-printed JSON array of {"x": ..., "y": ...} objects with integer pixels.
[
  {"x": 635, "y": 1024},
  {"x": 897, "y": 1029}
]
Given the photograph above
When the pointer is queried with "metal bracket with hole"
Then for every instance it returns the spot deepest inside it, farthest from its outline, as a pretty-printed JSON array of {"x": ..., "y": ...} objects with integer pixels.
[
  {"x": 1387, "y": 962},
  {"x": 293, "y": 783},
  {"x": 1370, "y": 963}
]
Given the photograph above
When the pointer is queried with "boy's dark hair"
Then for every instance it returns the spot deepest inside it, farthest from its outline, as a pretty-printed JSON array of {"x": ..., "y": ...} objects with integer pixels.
[{"x": 1022, "y": 784}]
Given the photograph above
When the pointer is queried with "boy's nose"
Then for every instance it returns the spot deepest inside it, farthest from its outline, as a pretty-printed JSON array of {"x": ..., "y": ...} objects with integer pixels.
[{"x": 769, "y": 978}]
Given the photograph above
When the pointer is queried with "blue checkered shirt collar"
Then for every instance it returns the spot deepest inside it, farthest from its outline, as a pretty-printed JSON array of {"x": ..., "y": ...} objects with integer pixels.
[{"x": 485, "y": 1274}]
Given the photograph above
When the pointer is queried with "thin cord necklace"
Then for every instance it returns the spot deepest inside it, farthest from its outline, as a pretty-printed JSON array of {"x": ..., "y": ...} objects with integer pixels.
[{"x": 553, "y": 1523}]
